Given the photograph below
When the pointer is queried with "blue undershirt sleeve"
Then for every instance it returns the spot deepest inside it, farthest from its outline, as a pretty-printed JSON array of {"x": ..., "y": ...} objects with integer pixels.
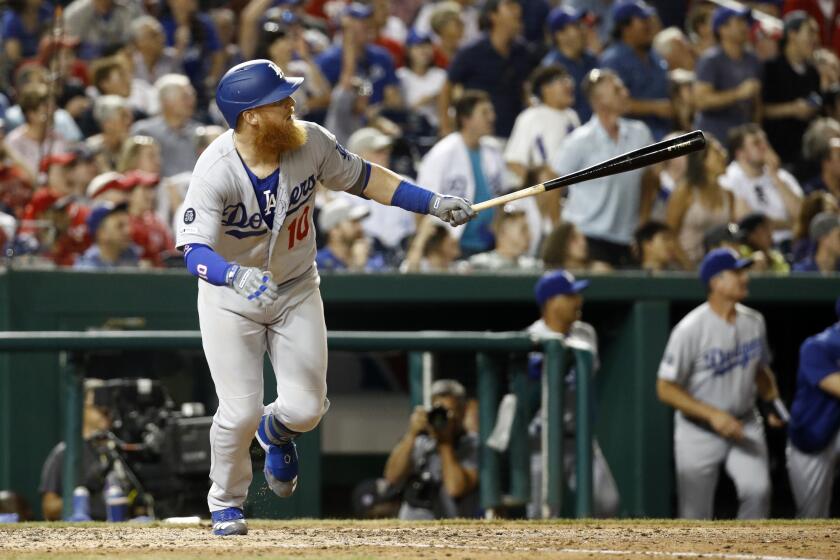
[{"x": 207, "y": 264}]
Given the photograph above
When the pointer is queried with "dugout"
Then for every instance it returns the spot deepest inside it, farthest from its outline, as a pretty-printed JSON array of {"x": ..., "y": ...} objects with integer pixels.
[{"x": 633, "y": 314}]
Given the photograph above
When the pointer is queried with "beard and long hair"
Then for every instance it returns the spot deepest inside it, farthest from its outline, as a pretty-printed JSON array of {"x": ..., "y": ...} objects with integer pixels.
[{"x": 279, "y": 136}]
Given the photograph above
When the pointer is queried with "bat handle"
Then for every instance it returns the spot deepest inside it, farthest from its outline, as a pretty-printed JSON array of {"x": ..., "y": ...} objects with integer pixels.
[{"x": 510, "y": 197}]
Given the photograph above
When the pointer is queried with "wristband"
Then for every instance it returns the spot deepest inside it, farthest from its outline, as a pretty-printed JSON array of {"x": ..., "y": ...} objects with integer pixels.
[
  {"x": 207, "y": 264},
  {"x": 409, "y": 196}
]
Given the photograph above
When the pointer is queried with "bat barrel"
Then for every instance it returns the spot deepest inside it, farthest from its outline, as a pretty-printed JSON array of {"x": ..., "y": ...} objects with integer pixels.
[{"x": 649, "y": 155}]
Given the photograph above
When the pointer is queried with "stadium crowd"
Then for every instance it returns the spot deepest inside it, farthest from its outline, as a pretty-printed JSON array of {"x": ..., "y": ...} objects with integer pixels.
[{"x": 106, "y": 105}]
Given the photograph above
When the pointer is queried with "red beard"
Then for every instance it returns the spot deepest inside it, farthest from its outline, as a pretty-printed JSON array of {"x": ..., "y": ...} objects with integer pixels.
[{"x": 279, "y": 137}]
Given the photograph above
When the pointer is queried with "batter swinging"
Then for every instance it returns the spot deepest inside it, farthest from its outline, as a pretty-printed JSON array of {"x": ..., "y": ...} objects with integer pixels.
[{"x": 247, "y": 233}]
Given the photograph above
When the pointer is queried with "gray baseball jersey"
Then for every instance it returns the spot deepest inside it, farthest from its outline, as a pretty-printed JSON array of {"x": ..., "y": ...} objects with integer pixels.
[
  {"x": 716, "y": 361},
  {"x": 222, "y": 210}
]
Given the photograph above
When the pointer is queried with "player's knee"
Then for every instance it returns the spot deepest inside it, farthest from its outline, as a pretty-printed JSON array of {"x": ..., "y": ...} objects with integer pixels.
[
  {"x": 304, "y": 410},
  {"x": 238, "y": 416}
]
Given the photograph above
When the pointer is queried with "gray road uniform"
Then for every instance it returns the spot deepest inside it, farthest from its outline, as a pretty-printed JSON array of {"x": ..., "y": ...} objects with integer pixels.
[
  {"x": 604, "y": 489},
  {"x": 716, "y": 362},
  {"x": 221, "y": 211}
]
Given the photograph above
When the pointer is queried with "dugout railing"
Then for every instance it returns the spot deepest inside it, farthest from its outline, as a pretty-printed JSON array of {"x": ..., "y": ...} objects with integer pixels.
[{"x": 496, "y": 354}]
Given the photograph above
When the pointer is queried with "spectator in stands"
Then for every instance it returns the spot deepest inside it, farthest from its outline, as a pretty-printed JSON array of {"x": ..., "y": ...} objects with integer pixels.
[
  {"x": 358, "y": 57},
  {"x": 286, "y": 48},
  {"x": 389, "y": 31},
  {"x": 468, "y": 164},
  {"x": 825, "y": 13},
  {"x": 102, "y": 25},
  {"x": 140, "y": 152},
  {"x": 436, "y": 17},
  {"x": 540, "y": 130},
  {"x": 825, "y": 233},
  {"x": 110, "y": 77},
  {"x": 829, "y": 178},
  {"x": 347, "y": 248},
  {"x": 510, "y": 229},
  {"x": 225, "y": 21},
  {"x": 674, "y": 48},
  {"x": 643, "y": 72},
  {"x": 420, "y": 80},
  {"x": 433, "y": 249},
  {"x": 33, "y": 140},
  {"x": 565, "y": 247},
  {"x": 109, "y": 227},
  {"x": 699, "y": 203},
  {"x": 791, "y": 88},
  {"x": 567, "y": 28},
  {"x": 655, "y": 247},
  {"x": 152, "y": 58},
  {"x": 560, "y": 299},
  {"x": 815, "y": 145},
  {"x": 83, "y": 171},
  {"x": 386, "y": 226},
  {"x": 193, "y": 34},
  {"x": 437, "y": 459},
  {"x": 723, "y": 236},
  {"x": 446, "y": 23},
  {"x": 606, "y": 210},
  {"x": 24, "y": 23},
  {"x": 96, "y": 422},
  {"x": 63, "y": 123},
  {"x": 698, "y": 24},
  {"x": 113, "y": 115},
  {"x": 670, "y": 173},
  {"x": 755, "y": 231},
  {"x": 828, "y": 67},
  {"x": 109, "y": 187},
  {"x": 816, "y": 202},
  {"x": 814, "y": 435},
  {"x": 148, "y": 232},
  {"x": 174, "y": 129},
  {"x": 759, "y": 183},
  {"x": 54, "y": 224},
  {"x": 15, "y": 181},
  {"x": 728, "y": 85},
  {"x": 499, "y": 63}
]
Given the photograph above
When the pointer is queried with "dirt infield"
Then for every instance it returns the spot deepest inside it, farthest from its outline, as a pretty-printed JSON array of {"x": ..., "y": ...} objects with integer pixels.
[{"x": 459, "y": 540}]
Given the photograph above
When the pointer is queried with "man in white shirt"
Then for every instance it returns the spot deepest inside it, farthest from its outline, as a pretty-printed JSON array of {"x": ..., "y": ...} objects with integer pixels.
[
  {"x": 539, "y": 131},
  {"x": 759, "y": 183}
]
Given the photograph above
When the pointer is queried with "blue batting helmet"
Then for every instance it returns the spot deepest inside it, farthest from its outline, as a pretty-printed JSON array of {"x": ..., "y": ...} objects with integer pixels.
[{"x": 252, "y": 84}]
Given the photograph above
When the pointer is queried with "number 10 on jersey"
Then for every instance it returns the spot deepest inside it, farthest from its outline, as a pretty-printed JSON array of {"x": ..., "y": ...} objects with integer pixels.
[{"x": 299, "y": 228}]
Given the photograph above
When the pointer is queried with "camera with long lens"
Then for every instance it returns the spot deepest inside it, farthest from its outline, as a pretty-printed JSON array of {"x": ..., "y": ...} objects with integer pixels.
[
  {"x": 438, "y": 418},
  {"x": 165, "y": 451}
]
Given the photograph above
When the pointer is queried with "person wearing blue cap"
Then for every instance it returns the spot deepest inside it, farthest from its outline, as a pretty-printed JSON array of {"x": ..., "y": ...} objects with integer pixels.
[
  {"x": 728, "y": 76},
  {"x": 365, "y": 60},
  {"x": 813, "y": 451},
  {"x": 109, "y": 226},
  {"x": 421, "y": 81},
  {"x": 791, "y": 92},
  {"x": 247, "y": 233},
  {"x": 560, "y": 299},
  {"x": 642, "y": 70},
  {"x": 715, "y": 365},
  {"x": 566, "y": 27}
]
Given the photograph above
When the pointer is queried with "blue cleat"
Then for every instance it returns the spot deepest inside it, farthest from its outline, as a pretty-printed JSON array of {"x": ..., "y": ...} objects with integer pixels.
[
  {"x": 229, "y": 521},
  {"x": 281, "y": 459}
]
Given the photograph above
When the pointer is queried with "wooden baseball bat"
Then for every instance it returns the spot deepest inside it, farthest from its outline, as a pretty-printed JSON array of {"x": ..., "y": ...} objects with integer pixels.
[{"x": 654, "y": 153}]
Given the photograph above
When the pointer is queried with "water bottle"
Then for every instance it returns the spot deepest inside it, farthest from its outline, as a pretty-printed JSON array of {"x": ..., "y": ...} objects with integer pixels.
[
  {"x": 81, "y": 505},
  {"x": 116, "y": 502}
]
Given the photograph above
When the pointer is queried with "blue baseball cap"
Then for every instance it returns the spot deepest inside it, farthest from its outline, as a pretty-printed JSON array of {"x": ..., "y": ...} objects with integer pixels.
[
  {"x": 358, "y": 10},
  {"x": 100, "y": 212},
  {"x": 417, "y": 38},
  {"x": 560, "y": 17},
  {"x": 627, "y": 10},
  {"x": 720, "y": 260},
  {"x": 557, "y": 283},
  {"x": 722, "y": 15}
]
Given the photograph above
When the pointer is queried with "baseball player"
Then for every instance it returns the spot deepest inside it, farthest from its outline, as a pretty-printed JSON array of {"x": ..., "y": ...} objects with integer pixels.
[
  {"x": 247, "y": 233},
  {"x": 715, "y": 363},
  {"x": 813, "y": 452},
  {"x": 560, "y": 299}
]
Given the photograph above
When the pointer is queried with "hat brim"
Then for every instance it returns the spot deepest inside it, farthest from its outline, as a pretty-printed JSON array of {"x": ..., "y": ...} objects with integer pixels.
[
  {"x": 742, "y": 264},
  {"x": 579, "y": 285},
  {"x": 359, "y": 212},
  {"x": 279, "y": 93}
]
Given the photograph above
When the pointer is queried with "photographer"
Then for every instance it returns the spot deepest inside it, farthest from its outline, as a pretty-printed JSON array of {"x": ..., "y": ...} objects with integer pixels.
[
  {"x": 96, "y": 422},
  {"x": 437, "y": 459}
]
